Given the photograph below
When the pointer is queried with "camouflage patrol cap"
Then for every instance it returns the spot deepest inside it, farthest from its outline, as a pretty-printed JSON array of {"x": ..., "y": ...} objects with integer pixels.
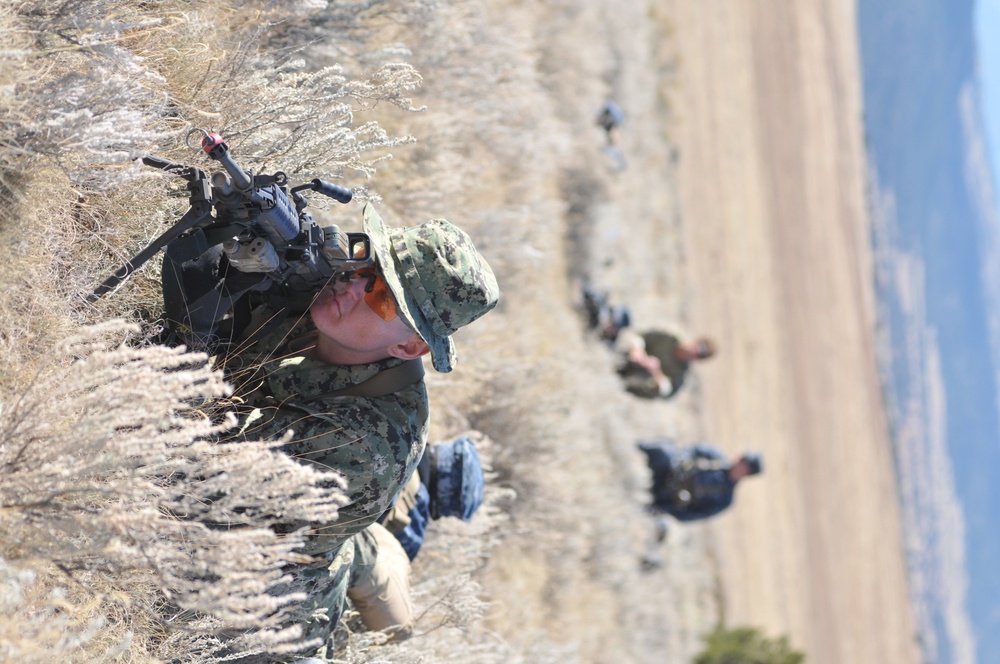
[
  {"x": 438, "y": 278},
  {"x": 455, "y": 479}
]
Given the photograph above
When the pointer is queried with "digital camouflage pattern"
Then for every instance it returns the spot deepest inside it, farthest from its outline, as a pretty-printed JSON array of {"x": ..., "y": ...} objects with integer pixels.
[
  {"x": 440, "y": 282},
  {"x": 438, "y": 278},
  {"x": 324, "y": 584},
  {"x": 374, "y": 442}
]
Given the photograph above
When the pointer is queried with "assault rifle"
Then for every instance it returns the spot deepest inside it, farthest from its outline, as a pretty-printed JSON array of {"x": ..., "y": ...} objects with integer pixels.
[{"x": 261, "y": 223}]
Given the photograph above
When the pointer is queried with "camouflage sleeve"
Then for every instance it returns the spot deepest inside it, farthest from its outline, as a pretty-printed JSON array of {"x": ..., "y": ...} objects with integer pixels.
[
  {"x": 374, "y": 443},
  {"x": 338, "y": 440}
]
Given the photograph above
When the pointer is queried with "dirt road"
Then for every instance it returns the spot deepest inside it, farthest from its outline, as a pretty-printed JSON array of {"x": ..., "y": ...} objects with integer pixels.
[{"x": 772, "y": 192}]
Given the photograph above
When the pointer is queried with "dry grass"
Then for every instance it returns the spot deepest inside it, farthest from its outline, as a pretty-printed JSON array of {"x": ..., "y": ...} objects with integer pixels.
[{"x": 111, "y": 484}]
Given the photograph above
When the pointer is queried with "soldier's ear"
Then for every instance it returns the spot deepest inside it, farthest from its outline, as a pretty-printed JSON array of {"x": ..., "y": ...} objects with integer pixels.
[{"x": 410, "y": 349}]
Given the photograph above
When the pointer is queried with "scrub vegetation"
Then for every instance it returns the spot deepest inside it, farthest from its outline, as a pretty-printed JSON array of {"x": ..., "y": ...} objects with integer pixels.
[{"x": 470, "y": 111}]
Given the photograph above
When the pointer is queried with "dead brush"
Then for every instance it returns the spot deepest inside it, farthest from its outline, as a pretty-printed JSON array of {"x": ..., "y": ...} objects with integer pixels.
[
  {"x": 305, "y": 88},
  {"x": 111, "y": 483}
]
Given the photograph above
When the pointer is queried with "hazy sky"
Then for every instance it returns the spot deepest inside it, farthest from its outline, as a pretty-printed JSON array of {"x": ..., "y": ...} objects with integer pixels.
[{"x": 988, "y": 45}]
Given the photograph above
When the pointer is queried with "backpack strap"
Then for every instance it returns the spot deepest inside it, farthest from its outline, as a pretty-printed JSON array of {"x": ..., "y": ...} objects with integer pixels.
[{"x": 384, "y": 382}]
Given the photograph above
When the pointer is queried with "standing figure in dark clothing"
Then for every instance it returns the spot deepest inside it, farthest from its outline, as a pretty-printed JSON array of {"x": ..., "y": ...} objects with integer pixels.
[
  {"x": 609, "y": 119},
  {"x": 694, "y": 482}
]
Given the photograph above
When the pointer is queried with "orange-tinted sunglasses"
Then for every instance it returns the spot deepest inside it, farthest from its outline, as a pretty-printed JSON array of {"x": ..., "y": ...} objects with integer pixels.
[{"x": 377, "y": 295}]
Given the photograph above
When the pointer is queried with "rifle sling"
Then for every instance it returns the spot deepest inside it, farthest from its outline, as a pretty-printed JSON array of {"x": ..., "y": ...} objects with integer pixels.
[{"x": 384, "y": 382}]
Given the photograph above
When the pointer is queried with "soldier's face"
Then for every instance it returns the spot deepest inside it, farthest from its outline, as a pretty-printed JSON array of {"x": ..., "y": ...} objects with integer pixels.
[{"x": 341, "y": 313}]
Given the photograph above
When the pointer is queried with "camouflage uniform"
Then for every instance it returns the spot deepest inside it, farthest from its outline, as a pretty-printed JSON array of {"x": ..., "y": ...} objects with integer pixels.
[
  {"x": 439, "y": 283},
  {"x": 374, "y": 442}
]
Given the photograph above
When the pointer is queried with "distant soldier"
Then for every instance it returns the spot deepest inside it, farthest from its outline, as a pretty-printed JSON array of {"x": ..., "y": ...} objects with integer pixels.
[
  {"x": 609, "y": 119},
  {"x": 694, "y": 482},
  {"x": 606, "y": 319},
  {"x": 655, "y": 363}
]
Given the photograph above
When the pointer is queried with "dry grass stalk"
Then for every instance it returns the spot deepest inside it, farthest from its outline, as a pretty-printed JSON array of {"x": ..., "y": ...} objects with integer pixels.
[{"x": 112, "y": 478}]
